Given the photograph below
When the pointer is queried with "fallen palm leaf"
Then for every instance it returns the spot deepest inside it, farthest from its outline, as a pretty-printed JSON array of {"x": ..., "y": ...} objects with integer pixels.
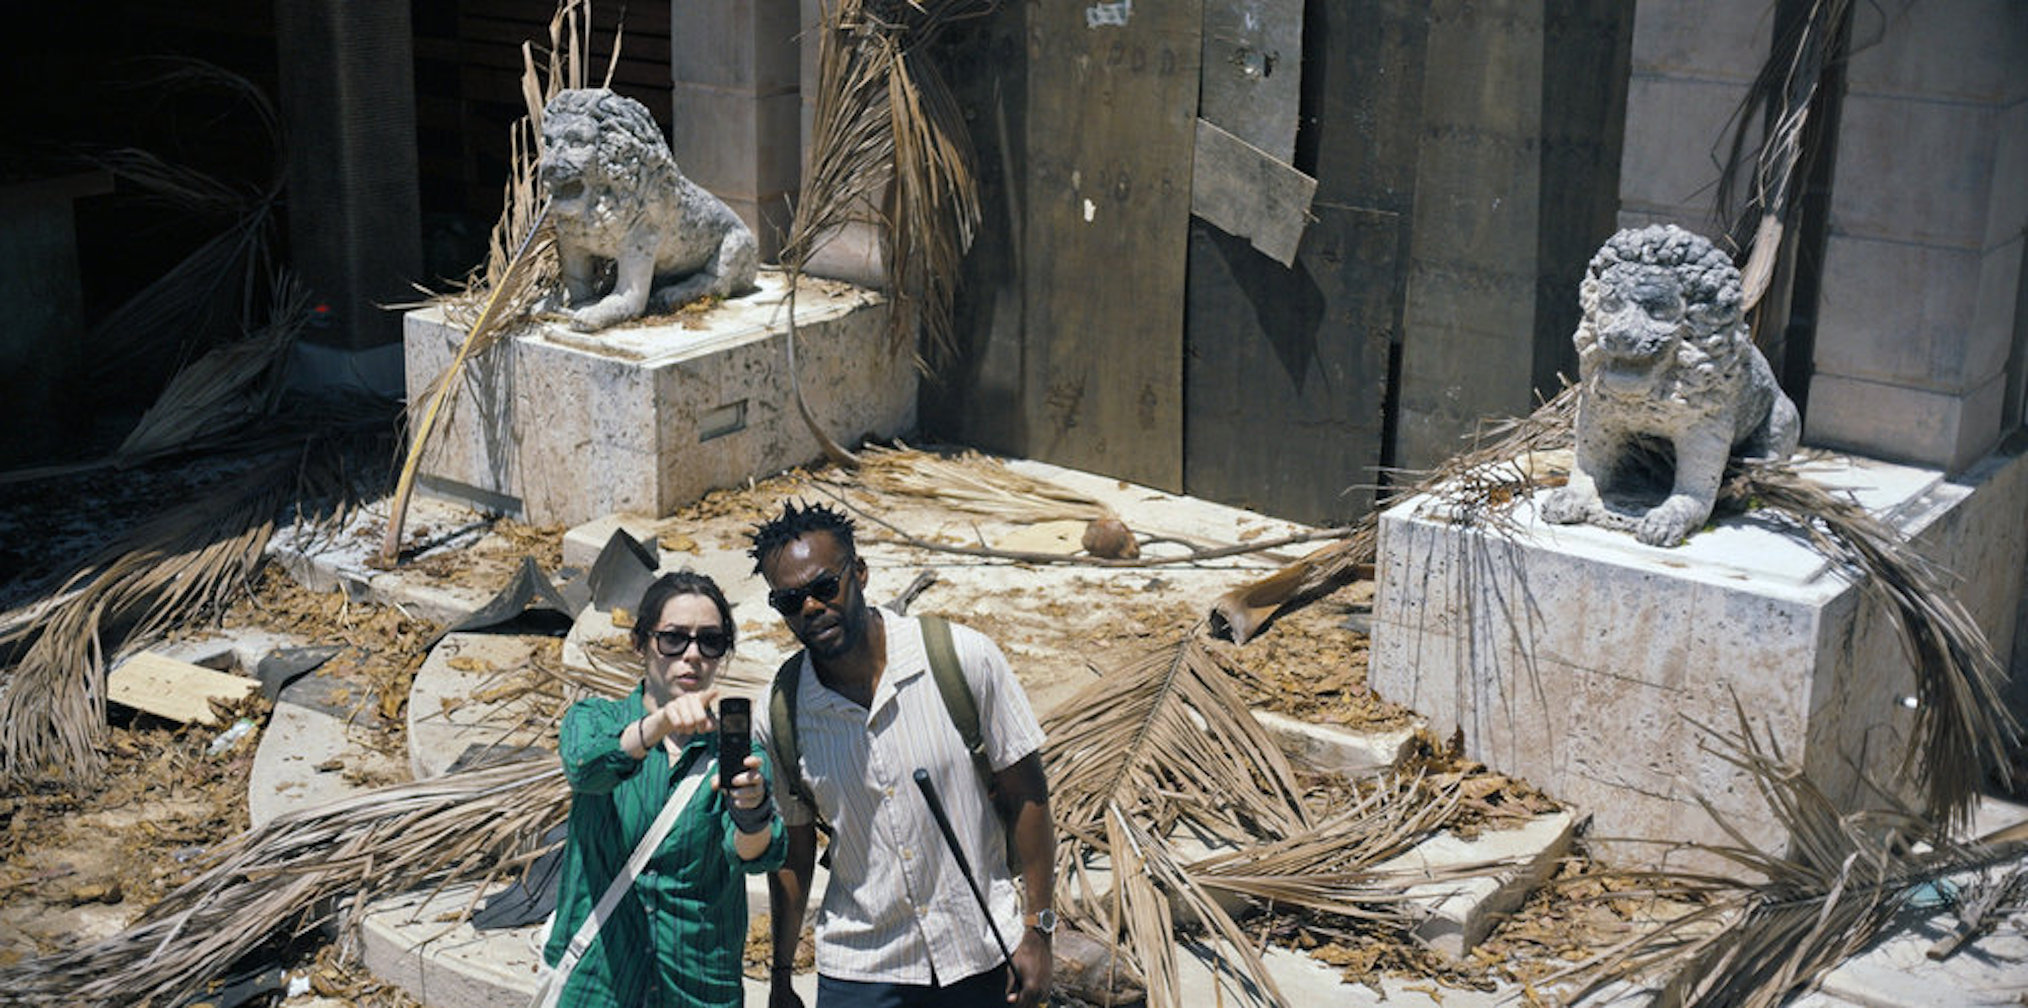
[
  {"x": 304, "y": 869},
  {"x": 1845, "y": 878},
  {"x": 223, "y": 392},
  {"x": 887, "y": 133}
]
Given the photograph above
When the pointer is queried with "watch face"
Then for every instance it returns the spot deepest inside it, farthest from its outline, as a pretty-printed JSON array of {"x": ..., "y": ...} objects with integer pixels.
[{"x": 1045, "y": 921}]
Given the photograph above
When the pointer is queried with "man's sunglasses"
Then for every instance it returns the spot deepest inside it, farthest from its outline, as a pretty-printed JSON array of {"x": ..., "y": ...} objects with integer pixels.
[
  {"x": 712, "y": 642},
  {"x": 823, "y": 588}
]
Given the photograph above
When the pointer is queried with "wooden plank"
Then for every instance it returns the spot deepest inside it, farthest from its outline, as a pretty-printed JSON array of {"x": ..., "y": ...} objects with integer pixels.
[
  {"x": 1253, "y": 66},
  {"x": 1287, "y": 367},
  {"x": 173, "y": 689},
  {"x": 1248, "y": 193},
  {"x": 1112, "y": 92}
]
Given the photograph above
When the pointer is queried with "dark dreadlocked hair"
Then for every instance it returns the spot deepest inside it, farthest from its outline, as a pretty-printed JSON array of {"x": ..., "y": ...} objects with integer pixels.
[{"x": 793, "y": 524}]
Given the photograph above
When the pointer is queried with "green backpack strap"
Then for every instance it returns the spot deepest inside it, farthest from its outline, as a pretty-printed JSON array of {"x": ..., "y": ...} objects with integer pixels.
[
  {"x": 950, "y": 677},
  {"x": 788, "y": 752}
]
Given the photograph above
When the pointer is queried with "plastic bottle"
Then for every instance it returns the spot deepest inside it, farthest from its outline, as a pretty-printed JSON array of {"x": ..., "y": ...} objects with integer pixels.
[{"x": 226, "y": 738}]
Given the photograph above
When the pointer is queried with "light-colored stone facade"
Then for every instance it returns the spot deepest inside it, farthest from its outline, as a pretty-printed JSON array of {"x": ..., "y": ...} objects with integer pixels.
[{"x": 556, "y": 426}]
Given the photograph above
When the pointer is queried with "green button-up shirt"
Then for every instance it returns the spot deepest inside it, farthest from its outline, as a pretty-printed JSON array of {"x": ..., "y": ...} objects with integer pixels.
[{"x": 676, "y": 938}]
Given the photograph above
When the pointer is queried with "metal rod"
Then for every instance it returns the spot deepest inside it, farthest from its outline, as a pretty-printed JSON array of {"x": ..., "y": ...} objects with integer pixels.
[{"x": 929, "y": 794}]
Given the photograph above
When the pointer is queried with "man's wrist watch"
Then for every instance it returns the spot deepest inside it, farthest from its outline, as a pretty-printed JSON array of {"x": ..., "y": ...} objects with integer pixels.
[{"x": 1043, "y": 920}]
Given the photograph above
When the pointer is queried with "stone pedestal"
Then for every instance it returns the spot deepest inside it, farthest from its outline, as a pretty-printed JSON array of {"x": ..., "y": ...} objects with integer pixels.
[
  {"x": 1583, "y": 661},
  {"x": 557, "y": 426}
]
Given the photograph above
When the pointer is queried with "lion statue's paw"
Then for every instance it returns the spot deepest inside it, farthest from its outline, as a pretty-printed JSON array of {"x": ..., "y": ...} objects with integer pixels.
[
  {"x": 1670, "y": 522},
  {"x": 1565, "y": 506}
]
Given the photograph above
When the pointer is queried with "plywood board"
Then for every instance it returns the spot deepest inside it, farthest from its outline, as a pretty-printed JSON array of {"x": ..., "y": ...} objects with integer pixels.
[
  {"x": 173, "y": 689},
  {"x": 1253, "y": 65},
  {"x": 1287, "y": 380},
  {"x": 1248, "y": 193},
  {"x": 1111, "y": 137}
]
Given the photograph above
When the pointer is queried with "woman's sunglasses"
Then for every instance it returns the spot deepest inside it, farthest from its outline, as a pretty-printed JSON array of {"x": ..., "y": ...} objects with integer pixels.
[
  {"x": 712, "y": 642},
  {"x": 789, "y": 601}
]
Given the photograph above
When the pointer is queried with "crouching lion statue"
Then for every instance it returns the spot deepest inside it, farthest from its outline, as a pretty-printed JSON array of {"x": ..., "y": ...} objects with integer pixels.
[
  {"x": 1666, "y": 368},
  {"x": 616, "y": 196}
]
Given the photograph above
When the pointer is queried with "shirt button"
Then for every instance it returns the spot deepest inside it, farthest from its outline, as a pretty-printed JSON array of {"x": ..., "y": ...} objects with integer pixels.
[
  {"x": 889, "y": 792},
  {"x": 907, "y": 854},
  {"x": 922, "y": 911}
]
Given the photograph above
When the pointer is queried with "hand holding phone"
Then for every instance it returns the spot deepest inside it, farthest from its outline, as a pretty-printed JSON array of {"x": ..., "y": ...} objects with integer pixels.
[{"x": 735, "y": 739}]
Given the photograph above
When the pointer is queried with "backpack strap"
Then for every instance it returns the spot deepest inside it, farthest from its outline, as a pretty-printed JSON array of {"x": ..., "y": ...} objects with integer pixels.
[
  {"x": 958, "y": 699},
  {"x": 788, "y": 752}
]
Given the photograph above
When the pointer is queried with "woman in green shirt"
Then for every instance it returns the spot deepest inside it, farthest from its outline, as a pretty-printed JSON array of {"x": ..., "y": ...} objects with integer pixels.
[{"x": 676, "y": 938}]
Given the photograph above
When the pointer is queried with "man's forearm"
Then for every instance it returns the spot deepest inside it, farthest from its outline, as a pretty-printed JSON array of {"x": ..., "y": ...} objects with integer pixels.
[
  {"x": 1025, "y": 795},
  {"x": 789, "y": 895}
]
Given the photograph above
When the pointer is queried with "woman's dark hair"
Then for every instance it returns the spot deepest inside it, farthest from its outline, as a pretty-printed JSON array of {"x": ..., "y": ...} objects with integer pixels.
[{"x": 668, "y": 586}]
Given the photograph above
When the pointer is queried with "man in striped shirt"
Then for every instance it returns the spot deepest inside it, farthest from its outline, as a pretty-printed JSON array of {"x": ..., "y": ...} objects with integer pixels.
[{"x": 899, "y": 925}]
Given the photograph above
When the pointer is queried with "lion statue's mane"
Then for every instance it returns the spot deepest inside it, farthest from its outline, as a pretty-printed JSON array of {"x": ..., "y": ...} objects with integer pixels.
[
  {"x": 616, "y": 195},
  {"x": 1665, "y": 361}
]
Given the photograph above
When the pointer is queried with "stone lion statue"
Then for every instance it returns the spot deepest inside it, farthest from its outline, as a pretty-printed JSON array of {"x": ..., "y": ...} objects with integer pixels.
[
  {"x": 1666, "y": 371},
  {"x": 616, "y": 196}
]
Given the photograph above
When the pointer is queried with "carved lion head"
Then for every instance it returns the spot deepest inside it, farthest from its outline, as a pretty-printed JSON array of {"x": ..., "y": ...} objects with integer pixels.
[
  {"x": 599, "y": 148},
  {"x": 1661, "y": 314}
]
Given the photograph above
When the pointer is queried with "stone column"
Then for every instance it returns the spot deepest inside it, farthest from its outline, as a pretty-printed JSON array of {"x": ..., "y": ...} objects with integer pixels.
[
  {"x": 1923, "y": 263},
  {"x": 1693, "y": 63},
  {"x": 734, "y": 119}
]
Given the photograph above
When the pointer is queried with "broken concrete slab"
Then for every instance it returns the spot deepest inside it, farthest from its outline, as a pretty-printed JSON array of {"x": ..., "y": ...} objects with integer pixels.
[
  {"x": 308, "y": 755},
  {"x": 1337, "y": 749},
  {"x": 344, "y": 560},
  {"x": 463, "y": 696},
  {"x": 1457, "y": 915}
]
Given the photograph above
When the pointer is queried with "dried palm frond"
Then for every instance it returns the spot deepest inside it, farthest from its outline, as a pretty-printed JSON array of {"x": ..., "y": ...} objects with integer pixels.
[
  {"x": 1786, "y": 88},
  {"x": 187, "y": 562},
  {"x": 887, "y": 132},
  {"x": 976, "y": 483},
  {"x": 222, "y": 286},
  {"x": 301, "y": 870},
  {"x": 1161, "y": 742},
  {"x": 1481, "y": 482},
  {"x": 1844, "y": 880},
  {"x": 226, "y": 390}
]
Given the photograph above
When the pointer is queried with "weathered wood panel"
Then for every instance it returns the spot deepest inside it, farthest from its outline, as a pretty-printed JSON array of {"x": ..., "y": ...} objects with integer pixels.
[
  {"x": 1287, "y": 367},
  {"x": 1112, "y": 98},
  {"x": 1253, "y": 66},
  {"x": 1249, "y": 193}
]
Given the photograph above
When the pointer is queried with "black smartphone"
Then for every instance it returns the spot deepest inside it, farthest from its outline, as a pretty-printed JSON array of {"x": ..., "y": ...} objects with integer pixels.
[{"x": 735, "y": 732}]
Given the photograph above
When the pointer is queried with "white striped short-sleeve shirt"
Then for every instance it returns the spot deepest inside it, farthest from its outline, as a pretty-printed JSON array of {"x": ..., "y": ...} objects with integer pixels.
[{"x": 896, "y": 907}]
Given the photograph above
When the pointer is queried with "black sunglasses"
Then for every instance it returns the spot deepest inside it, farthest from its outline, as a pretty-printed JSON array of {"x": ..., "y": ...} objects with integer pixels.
[
  {"x": 712, "y": 642},
  {"x": 823, "y": 588}
]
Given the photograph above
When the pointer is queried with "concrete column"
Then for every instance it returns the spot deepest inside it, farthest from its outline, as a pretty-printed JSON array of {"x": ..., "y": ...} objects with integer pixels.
[
  {"x": 734, "y": 116},
  {"x": 1923, "y": 263},
  {"x": 854, "y": 253}
]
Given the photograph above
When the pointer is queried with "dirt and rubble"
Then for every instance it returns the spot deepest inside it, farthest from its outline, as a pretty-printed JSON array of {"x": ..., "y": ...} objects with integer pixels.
[{"x": 80, "y": 864}]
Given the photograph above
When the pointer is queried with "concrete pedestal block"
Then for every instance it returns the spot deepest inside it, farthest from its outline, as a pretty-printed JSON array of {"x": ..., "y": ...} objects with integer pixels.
[
  {"x": 556, "y": 426},
  {"x": 1584, "y": 662}
]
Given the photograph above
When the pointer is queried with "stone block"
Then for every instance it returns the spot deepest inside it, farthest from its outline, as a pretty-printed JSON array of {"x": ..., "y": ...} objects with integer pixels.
[
  {"x": 1960, "y": 50},
  {"x": 1909, "y": 314},
  {"x": 1672, "y": 124},
  {"x": 1685, "y": 38},
  {"x": 736, "y": 144},
  {"x": 750, "y": 47},
  {"x": 1454, "y": 916},
  {"x": 456, "y": 702},
  {"x": 557, "y": 426},
  {"x": 2009, "y": 212},
  {"x": 1908, "y": 190},
  {"x": 1585, "y": 662},
  {"x": 1948, "y": 430}
]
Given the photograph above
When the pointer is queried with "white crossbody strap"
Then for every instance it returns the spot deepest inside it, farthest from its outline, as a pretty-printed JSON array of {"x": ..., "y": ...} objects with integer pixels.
[{"x": 580, "y": 943}]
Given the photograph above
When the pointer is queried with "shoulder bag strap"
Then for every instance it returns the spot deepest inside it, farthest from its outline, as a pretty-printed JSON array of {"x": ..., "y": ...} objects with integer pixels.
[{"x": 580, "y": 943}]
